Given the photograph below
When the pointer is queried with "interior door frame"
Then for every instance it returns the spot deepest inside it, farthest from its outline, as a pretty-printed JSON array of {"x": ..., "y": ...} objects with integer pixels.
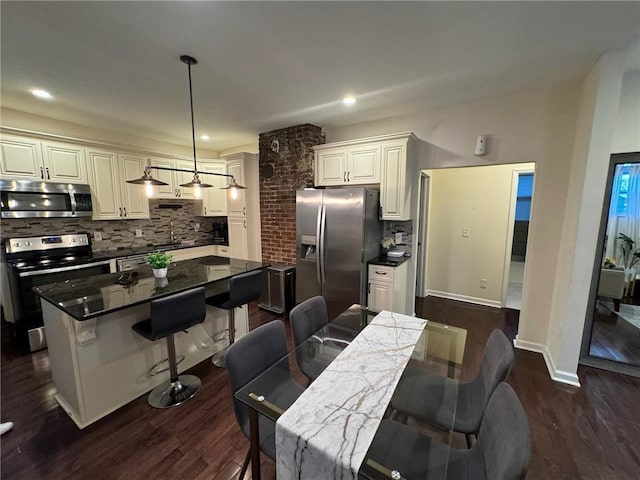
[
  {"x": 515, "y": 178},
  {"x": 422, "y": 236}
]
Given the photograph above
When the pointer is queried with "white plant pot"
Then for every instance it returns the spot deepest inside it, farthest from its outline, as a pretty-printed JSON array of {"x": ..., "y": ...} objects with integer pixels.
[{"x": 160, "y": 272}]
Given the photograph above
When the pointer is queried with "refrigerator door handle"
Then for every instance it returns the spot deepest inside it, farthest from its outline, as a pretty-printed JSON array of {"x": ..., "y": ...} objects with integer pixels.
[
  {"x": 319, "y": 243},
  {"x": 323, "y": 227}
]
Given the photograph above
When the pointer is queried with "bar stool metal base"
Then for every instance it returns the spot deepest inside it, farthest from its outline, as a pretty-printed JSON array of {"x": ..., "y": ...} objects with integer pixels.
[
  {"x": 220, "y": 358},
  {"x": 171, "y": 394}
]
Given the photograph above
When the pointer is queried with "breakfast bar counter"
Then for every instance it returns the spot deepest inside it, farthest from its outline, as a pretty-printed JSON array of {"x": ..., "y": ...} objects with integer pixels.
[{"x": 98, "y": 363}]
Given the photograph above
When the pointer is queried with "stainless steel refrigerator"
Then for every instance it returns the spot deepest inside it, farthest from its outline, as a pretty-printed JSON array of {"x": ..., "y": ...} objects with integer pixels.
[{"x": 338, "y": 231}]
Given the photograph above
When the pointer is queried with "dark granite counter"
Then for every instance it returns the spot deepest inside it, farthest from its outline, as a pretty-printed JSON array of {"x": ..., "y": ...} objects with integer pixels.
[
  {"x": 98, "y": 295},
  {"x": 388, "y": 261},
  {"x": 164, "y": 247}
]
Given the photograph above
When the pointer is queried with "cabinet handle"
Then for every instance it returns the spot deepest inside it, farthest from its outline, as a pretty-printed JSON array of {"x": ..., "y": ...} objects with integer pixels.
[
  {"x": 344, "y": 177},
  {"x": 244, "y": 210},
  {"x": 369, "y": 286},
  {"x": 348, "y": 176},
  {"x": 205, "y": 210},
  {"x": 125, "y": 211},
  {"x": 245, "y": 224},
  {"x": 380, "y": 273},
  {"x": 48, "y": 176},
  {"x": 41, "y": 173},
  {"x": 120, "y": 211}
]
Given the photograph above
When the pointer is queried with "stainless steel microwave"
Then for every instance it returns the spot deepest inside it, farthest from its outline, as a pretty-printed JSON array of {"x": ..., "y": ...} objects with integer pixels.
[{"x": 29, "y": 199}]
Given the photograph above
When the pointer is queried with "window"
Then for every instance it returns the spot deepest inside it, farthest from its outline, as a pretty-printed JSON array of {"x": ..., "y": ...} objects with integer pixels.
[
  {"x": 523, "y": 199},
  {"x": 621, "y": 185}
]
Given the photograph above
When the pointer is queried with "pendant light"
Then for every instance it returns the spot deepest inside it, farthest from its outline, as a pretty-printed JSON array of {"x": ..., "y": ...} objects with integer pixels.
[
  {"x": 195, "y": 183},
  {"x": 234, "y": 187}
]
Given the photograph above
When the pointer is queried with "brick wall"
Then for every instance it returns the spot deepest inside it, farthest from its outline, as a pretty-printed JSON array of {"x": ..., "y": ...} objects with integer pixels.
[{"x": 281, "y": 174}]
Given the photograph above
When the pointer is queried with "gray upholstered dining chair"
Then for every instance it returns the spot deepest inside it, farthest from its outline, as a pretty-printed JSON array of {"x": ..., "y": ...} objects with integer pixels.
[
  {"x": 424, "y": 396},
  {"x": 247, "y": 358},
  {"x": 502, "y": 451},
  {"x": 306, "y": 319}
]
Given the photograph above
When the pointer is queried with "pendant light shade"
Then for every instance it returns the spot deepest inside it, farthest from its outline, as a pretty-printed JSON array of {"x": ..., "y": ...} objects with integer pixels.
[
  {"x": 146, "y": 179},
  {"x": 233, "y": 184},
  {"x": 196, "y": 182}
]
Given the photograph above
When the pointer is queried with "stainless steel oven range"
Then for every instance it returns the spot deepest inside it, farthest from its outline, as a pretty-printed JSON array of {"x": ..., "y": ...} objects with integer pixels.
[{"x": 36, "y": 261}]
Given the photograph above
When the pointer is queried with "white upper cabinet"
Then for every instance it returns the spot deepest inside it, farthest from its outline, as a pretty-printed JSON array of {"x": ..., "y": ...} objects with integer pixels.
[
  {"x": 113, "y": 198},
  {"x": 23, "y": 158},
  {"x": 214, "y": 199},
  {"x": 236, "y": 198},
  {"x": 64, "y": 162},
  {"x": 386, "y": 160},
  {"x": 358, "y": 165},
  {"x": 173, "y": 179}
]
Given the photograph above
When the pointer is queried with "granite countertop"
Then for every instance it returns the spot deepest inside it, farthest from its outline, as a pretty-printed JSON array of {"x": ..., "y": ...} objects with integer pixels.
[
  {"x": 388, "y": 261},
  {"x": 98, "y": 295},
  {"x": 164, "y": 247}
]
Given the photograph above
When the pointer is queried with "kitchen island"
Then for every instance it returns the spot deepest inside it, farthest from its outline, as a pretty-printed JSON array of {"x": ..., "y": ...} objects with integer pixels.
[{"x": 98, "y": 363}]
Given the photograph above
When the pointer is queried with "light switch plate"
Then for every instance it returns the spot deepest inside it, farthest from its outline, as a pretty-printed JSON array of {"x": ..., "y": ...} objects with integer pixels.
[
  {"x": 138, "y": 232},
  {"x": 97, "y": 236},
  {"x": 466, "y": 232}
]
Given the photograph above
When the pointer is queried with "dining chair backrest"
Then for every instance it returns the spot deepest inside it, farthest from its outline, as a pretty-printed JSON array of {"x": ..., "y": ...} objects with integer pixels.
[
  {"x": 504, "y": 440},
  {"x": 497, "y": 360},
  {"x": 251, "y": 355},
  {"x": 308, "y": 317},
  {"x": 177, "y": 312}
]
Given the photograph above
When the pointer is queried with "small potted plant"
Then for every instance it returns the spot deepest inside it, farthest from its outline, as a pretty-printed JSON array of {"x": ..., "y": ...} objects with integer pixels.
[
  {"x": 159, "y": 261},
  {"x": 386, "y": 243}
]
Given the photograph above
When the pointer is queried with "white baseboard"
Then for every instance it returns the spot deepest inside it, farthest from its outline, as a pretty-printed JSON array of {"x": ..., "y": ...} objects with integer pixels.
[
  {"x": 555, "y": 374},
  {"x": 465, "y": 298}
]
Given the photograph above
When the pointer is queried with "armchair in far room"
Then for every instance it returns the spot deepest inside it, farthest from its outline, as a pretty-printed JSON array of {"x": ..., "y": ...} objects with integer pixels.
[{"x": 611, "y": 285}]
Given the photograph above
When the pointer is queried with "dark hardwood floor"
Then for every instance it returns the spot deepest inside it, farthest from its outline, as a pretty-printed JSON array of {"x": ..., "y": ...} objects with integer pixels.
[
  {"x": 591, "y": 433},
  {"x": 613, "y": 338}
]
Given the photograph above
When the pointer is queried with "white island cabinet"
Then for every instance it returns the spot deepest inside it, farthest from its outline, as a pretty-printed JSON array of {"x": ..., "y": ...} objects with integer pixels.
[{"x": 98, "y": 363}]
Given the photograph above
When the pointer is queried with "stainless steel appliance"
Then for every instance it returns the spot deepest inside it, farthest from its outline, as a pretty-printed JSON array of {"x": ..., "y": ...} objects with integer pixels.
[
  {"x": 219, "y": 231},
  {"x": 131, "y": 262},
  {"x": 36, "y": 261},
  {"x": 29, "y": 199},
  {"x": 338, "y": 231},
  {"x": 278, "y": 288}
]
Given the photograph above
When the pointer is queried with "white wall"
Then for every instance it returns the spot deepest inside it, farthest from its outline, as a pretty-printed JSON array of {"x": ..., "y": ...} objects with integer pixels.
[
  {"x": 36, "y": 123},
  {"x": 626, "y": 135},
  {"x": 533, "y": 126},
  {"x": 479, "y": 199}
]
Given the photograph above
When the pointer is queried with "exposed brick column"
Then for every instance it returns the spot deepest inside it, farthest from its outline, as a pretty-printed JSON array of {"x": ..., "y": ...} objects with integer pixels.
[{"x": 281, "y": 174}]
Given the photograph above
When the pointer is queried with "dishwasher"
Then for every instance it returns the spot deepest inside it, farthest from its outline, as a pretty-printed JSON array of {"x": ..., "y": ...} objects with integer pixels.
[{"x": 131, "y": 263}]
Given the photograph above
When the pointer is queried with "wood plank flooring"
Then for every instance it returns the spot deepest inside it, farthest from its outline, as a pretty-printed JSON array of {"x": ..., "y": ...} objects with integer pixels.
[
  {"x": 613, "y": 338},
  {"x": 587, "y": 433}
]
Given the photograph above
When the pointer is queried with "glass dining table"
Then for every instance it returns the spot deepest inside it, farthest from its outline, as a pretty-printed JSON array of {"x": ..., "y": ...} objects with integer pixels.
[{"x": 351, "y": 353}]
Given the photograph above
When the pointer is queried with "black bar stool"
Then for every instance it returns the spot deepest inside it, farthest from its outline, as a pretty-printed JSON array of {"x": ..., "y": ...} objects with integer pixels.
[
  {"x": 171, "y": 315},
  {"x": 243, "y": 288}
]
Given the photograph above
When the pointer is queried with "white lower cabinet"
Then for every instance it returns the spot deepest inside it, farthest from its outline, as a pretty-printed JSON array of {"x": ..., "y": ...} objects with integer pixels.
[
  {"x": 238, "y": 238},
  {"x": 387, "y": 288}
]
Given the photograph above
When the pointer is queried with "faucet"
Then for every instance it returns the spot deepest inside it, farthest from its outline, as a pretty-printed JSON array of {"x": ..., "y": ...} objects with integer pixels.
[{"x": 173, "y": 238}]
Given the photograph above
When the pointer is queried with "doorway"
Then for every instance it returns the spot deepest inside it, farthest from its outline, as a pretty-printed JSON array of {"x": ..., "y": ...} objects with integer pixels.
[
  {"x": 520, "y": 217},
  {"x": 423, "y": 223}
]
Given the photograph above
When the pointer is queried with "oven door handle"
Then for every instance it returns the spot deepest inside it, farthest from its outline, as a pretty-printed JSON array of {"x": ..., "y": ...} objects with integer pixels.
[{"x": 63, "y": 269}]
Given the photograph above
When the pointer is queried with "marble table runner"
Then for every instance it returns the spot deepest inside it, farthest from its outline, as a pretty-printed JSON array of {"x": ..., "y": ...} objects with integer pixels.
[{"x": 326, "y": 433}]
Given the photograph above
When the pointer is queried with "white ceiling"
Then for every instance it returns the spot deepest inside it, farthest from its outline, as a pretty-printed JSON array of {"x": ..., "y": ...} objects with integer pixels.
[{"x": 264, "y": 65}]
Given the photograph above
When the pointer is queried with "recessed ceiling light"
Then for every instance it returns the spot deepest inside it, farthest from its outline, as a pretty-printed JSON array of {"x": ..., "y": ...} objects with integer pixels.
[
  {"x": 41, "y": 94},
  {"x": 205, "y": 137},
  {"x": 348, "y": 101}
]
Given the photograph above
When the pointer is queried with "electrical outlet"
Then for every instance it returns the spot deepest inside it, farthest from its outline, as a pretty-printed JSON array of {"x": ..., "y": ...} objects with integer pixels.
[
  {"x": 483, "y": 283},
  {"x": 97, "y": 236},
  {"x": 466, "y": 232},
  {"x": 138, "y": 232}
]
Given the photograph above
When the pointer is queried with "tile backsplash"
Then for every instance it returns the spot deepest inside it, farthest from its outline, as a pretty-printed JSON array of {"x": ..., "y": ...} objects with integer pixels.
[
  {"x": 121, "y": 233},
  {"x": 390, "y": 229}
]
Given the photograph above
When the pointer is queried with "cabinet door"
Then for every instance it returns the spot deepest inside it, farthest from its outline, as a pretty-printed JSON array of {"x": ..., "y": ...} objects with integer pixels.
[
  {"x": 238, "y": 238},
  {"x": 236, "y": 199},
  {"x": 134, "y": 198},
  {"x": 20, "y": 158},
  {"x": 214, "y": 200},
  {"x": 184, "y": 177},
  {"x": 363, "y": 165},
  {"x": 380, "y": 297},
  {"x": 394, "y": 195},
  {"x": 164, "y": 191},
  {"x": 331, "y": 167},
  {"x": 104, "y": 180},
  {"x": 64, "y": 163}
]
